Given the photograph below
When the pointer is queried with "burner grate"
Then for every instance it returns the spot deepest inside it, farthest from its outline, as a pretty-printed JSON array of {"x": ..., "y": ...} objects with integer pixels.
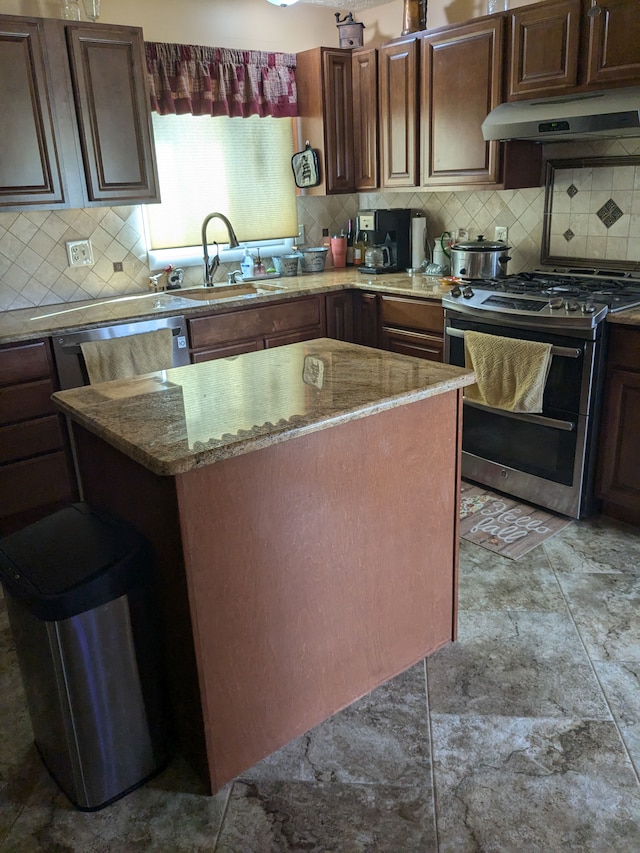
[{"x": 616, "y": 292}]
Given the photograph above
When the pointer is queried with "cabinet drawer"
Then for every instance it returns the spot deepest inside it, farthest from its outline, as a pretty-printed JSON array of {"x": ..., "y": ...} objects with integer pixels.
[
  {"x": 27, "y": 439},
  {"x": 33, "y": 483},
  {"x": 256, "y": 322},
  {"x": 412, "y": 314},
  {"x": 237, "y": 348},
  {"x": 20, "y": 402},
  {"x": 417, "y": 344},
  {"x": 292, "y": 337},
  {"x": 24, "y": 363}
]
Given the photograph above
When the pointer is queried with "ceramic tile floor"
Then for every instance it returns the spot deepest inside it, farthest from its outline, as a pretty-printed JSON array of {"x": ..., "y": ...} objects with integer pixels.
[{"x": 524, "y": 735}]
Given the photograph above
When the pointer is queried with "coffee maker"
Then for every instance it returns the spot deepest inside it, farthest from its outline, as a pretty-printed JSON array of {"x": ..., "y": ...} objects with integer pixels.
[{"x": 389, "y": 229}]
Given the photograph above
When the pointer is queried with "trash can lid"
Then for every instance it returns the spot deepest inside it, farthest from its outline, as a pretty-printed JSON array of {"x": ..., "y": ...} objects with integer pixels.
[{"x": 72, "y": 561}]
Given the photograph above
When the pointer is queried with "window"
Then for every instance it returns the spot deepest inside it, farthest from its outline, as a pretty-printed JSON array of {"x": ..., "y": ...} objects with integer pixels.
[{"x": 237, "y": 166}]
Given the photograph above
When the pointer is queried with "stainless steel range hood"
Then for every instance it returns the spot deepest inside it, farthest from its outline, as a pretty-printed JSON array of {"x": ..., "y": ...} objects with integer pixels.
[{"x": 587, "y": 115}]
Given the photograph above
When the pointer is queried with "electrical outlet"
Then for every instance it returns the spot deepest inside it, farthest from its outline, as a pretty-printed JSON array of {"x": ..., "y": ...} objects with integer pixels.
[
  {"x": 117, "y": 266},
  {"x": 79, "y": 253},
  {"x": 301, "y": 233},
  {"x": 463, "y": 234},
  {"x": 501, "y": 232}
]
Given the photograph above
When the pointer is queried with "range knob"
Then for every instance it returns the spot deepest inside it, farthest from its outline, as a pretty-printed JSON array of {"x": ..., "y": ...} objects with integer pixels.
[
  {"x": 556, "y": 302},
  {"x": 588, "y": 308},
  {"x": 573, "y": 306},
  {"x": 455, "y": 291},
  {"x": 467, "y": 292}
]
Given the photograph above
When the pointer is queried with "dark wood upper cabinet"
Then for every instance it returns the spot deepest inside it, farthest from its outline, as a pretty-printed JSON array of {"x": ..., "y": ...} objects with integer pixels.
[
  {"x": 30, "y": 158},
  {"x": 114, "y": 119},
  {"x": 543, "y": 49},
  {"x": 555, "y": 47},
  {"x": 364, "y": 73},
  {"x": 612, "y": 54},
  {"x": 75, "y": 98},
  {"x": 325, "y": 109},
  {"x": 461, "y": 70},
  {"x": 461, "y": 82},
  {"x": 398, "y": 82}
]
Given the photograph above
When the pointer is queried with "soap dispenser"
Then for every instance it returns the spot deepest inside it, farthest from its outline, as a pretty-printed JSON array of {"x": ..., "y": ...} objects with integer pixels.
[{"x": 247, "y": 265}]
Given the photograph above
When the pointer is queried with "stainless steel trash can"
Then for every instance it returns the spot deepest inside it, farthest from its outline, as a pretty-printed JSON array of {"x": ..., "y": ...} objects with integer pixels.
[{"x": 79, "y": 591}]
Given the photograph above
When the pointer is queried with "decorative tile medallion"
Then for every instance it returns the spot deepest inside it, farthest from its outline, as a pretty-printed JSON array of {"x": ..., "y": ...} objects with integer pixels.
[
  {"x": 568, "y": 235},
  {"x": 609, "y": 213},
  {"x": 572, "y": 189}
]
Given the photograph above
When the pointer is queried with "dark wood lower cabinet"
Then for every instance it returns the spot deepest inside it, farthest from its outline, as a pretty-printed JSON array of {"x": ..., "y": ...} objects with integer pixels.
[
  {"x": 271, "y": 325},
  {"x": 412, "y": 327},
  {"x": 366, "y": 322},
  {"x": 339, "y": 311},
  {"x": 36, "y": 470},
  {"x": 619, "y": 460},
  {"x": 417, "y": 344}
]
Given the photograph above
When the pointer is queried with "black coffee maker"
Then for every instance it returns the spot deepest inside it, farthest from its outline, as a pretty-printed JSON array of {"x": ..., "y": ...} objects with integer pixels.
[{"x": 390, "y": 229}]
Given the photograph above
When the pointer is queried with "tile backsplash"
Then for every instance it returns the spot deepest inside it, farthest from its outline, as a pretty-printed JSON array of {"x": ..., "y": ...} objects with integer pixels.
[{"x": 34, "y": 268}]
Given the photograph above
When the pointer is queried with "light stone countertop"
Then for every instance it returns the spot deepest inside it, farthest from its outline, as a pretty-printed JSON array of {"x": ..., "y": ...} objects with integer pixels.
[
  {"x": 176, "y": 420},
  {"x": 29, "y": 323},
  {"x": 630, "y": 317}
]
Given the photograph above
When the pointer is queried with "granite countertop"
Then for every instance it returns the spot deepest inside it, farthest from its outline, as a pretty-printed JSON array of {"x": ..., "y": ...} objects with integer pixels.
[
  {"x": 176, "y": 420},
  {"x": 630, "y": 317},
  {"x": 28, "y": 323}
]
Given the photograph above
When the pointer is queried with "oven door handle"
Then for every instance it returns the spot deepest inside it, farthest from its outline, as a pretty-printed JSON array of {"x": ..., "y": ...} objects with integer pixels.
[
  {"x": 564, "y": 352},
  {"x": 540, "y": 420}
]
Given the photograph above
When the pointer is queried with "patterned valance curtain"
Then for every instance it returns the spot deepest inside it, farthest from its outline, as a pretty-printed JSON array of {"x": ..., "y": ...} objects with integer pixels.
[{"x": 220, "y": 82}]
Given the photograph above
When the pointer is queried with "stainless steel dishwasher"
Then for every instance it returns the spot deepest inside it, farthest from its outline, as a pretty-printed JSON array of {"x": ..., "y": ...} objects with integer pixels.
[{"x": 68, "y": 354}]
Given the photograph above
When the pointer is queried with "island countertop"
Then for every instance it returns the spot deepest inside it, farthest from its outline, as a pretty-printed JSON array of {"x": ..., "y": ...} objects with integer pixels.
[{"x": 177, "y": 420}]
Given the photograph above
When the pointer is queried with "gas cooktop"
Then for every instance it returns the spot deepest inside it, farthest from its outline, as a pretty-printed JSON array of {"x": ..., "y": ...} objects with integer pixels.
[{"x": 575, "y": 290}]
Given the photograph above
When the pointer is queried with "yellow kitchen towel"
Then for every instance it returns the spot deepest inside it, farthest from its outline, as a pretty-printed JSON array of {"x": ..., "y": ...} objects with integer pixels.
[
  {"x": 510, "y": 374},
  {"x": 122, "y": 358}
]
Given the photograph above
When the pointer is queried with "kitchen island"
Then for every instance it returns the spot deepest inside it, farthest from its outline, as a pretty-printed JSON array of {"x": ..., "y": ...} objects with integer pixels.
[{"x": 302, "y": 503}]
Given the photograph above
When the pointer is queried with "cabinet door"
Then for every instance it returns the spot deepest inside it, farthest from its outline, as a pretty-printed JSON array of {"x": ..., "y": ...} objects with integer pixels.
[
  {"x": 398, "y": 76},
  {"x": 364, "y": 72},
  {"x": 543, "y": 55},
  {"x": 461, "y": 74},
  {"x": 366, "y": 322},
  {"x": 613, "y": 52},
  {"x": 339, "y": 311},
  {"x": 620, "y": 456},
  {"x": 338, "y": 121},
  {"x": 114, "y": 117},
  {"x": 30, "y": 156}
]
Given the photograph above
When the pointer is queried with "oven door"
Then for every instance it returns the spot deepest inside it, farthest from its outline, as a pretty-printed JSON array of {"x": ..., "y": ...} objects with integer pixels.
[{"x": 542, "y": 457}]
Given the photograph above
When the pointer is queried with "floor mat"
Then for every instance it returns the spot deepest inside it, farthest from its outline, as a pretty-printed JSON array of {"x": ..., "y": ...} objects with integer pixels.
[{"x": 503, "y": 524}]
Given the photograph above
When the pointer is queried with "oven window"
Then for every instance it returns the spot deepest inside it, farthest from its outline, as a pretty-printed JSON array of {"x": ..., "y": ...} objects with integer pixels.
[{"x": 539, "y": 450}]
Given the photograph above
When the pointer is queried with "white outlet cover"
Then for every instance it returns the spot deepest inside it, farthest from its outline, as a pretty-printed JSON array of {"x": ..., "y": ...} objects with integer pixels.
[{"x": 79, "y": 253}]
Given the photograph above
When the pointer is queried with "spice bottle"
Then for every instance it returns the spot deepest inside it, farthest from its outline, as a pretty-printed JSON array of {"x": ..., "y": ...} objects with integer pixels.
[{"x": 258, "y": 267}]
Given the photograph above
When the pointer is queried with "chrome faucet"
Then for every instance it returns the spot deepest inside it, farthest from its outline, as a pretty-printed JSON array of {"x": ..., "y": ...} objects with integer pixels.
[{"x": 210, "y": 266}]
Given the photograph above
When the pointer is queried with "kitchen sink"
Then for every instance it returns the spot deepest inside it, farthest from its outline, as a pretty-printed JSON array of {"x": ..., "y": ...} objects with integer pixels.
[{"x": 225, "y": 291}]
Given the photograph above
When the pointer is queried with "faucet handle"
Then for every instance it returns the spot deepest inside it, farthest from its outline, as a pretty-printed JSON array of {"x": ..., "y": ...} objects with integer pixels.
[{"x": 231, "y": 276}]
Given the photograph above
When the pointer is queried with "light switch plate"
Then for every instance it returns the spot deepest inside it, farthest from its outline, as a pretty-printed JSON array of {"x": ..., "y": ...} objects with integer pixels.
[{"x": 79, "y": 253}]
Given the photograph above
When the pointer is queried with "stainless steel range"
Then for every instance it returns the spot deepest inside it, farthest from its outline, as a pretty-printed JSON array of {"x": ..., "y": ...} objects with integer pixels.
[{"x": 549, "y": 458}]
